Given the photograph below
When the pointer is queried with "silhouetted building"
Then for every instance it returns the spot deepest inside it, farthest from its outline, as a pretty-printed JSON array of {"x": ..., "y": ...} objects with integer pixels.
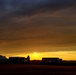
[
  {"x": 19, "y": 59},
  {"x": 3, "y": 59},
  {"x": 28, "y": 57},
  {"x": 51, "y": 60}
]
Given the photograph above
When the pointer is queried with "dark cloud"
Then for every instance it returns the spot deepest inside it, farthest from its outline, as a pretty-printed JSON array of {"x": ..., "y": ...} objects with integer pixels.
[{"x": 30, "y": 7}]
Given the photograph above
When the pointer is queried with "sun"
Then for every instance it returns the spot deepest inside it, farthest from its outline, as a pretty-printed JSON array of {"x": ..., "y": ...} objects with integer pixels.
[{"x": 35, "y": 53}]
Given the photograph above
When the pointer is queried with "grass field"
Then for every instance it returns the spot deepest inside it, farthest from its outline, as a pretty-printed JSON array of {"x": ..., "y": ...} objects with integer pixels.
[{"x": 23, "y": 69}]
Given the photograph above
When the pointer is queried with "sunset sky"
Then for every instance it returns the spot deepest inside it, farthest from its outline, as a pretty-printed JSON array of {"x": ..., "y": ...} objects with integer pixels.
[{"x": 39, "y": 28}]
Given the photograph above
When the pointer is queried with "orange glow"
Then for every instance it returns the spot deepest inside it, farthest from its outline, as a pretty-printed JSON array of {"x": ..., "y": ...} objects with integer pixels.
[
  {"x": 35, "y": 56},
  {"x": 65, "y": 55}
]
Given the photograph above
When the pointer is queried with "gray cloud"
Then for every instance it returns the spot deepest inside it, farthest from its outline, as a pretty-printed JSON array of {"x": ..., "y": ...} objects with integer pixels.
[{"x": 30, "y": 7}]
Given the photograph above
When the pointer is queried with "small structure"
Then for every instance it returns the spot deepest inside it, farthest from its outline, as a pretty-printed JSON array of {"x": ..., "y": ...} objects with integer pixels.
[
  {"x": 51, "y": 60},
  {"x": 28, "y": 58},
  {"x": 3, "y": 59}
]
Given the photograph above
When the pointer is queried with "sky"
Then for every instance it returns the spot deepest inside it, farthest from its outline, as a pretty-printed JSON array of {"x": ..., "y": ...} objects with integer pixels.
[{"x": 44, "y": 27}]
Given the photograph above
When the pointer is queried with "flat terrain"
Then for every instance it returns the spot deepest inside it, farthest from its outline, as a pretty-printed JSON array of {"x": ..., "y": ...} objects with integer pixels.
[{"x": 23, "y": 69}]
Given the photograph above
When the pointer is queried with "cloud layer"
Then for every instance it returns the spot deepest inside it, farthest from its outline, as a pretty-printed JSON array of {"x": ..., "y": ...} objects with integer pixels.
[{"x": 42, "y": 25}]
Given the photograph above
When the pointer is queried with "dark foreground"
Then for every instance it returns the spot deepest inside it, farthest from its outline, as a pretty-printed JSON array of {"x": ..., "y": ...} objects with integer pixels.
[{"x": 23, "y": 69}]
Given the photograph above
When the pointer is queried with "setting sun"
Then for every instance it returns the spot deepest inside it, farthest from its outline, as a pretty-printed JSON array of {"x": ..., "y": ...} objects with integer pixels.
[{"x": 35, "y": 53}]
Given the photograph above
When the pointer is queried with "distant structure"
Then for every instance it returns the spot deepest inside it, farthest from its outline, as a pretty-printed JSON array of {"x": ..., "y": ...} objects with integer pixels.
[
  {"x": 28, "y": 58},
  {"x": 44, "y": 61},
  {"x": 3, "y": 59},
  {"x": 51, "y": 60},
  {"x": 19, "y": 59}
]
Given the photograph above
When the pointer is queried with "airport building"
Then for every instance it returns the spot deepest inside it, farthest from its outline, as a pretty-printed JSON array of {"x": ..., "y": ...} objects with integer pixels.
[
  {"x": 19, "y": 59},
  {"x": 51, "y": 60}
]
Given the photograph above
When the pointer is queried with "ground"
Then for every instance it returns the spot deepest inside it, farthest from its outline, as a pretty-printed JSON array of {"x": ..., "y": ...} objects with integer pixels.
[{"x": 23, "y": 69}]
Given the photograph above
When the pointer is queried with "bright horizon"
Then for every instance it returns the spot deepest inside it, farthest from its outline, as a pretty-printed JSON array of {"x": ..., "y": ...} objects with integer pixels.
[{"x": 38, "y": 56}]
